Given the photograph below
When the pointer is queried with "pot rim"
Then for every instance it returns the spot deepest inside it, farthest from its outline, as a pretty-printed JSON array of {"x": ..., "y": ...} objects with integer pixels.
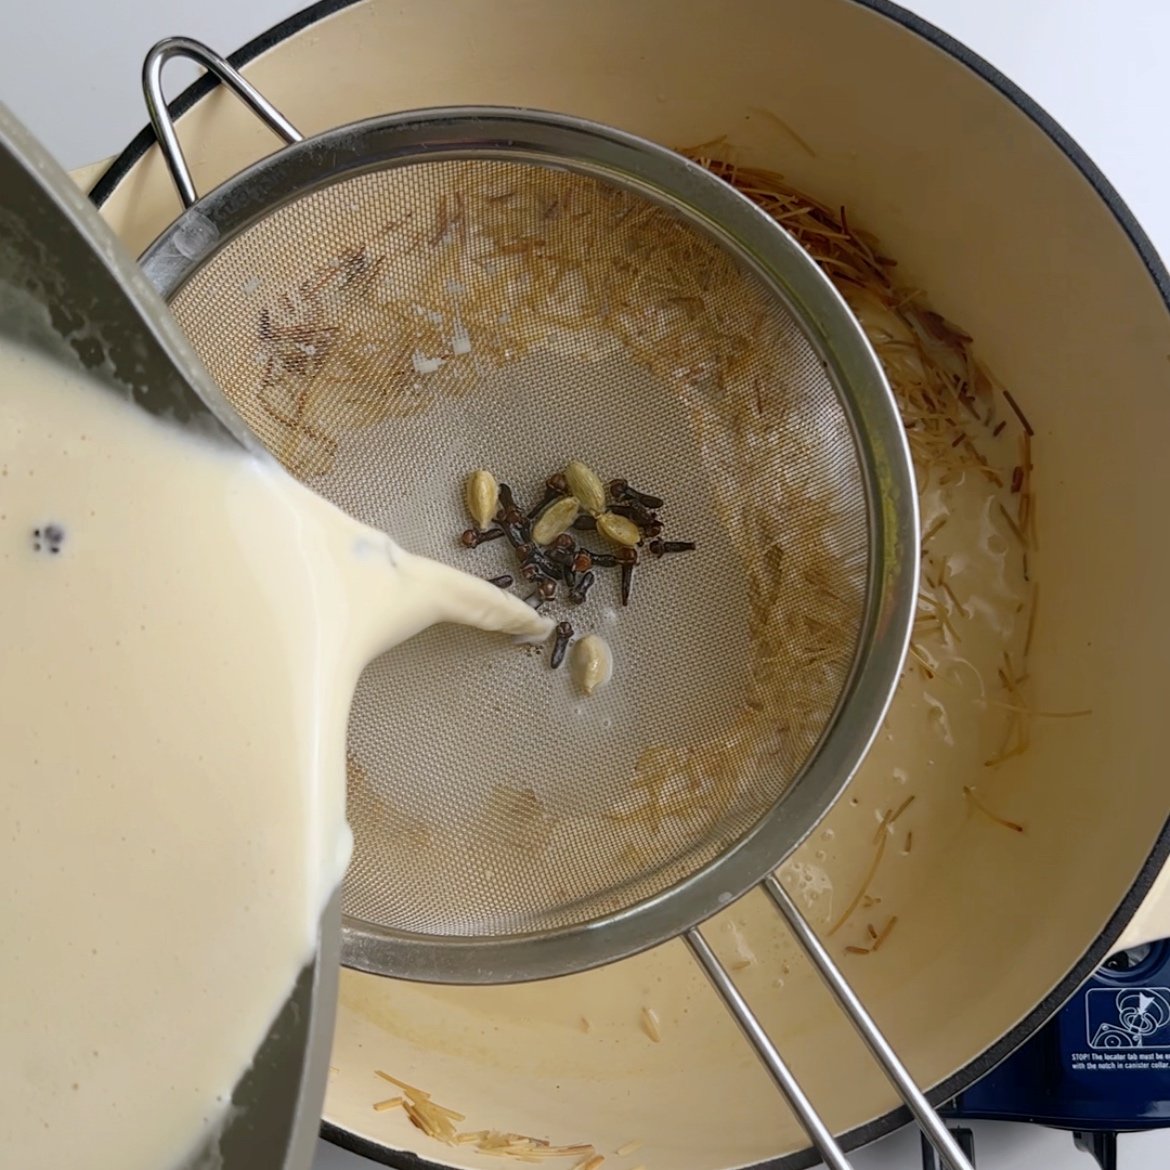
[{"x": 142, "y": 142}]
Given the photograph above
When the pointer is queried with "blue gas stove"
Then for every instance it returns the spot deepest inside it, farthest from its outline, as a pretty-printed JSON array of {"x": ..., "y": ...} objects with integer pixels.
[{"x": 1099, "y": 1068}]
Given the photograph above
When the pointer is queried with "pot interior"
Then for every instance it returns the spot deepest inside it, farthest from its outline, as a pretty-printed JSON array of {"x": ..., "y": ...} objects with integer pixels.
[{"x": 1010, "y": 240}]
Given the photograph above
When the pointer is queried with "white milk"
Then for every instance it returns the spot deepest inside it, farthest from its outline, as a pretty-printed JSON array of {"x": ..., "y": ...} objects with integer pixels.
[{"x": 178, "y": 650}]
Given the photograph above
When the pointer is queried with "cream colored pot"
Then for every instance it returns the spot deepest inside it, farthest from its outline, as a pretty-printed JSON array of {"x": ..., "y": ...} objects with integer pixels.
[{"x": 1016, "y": 236}]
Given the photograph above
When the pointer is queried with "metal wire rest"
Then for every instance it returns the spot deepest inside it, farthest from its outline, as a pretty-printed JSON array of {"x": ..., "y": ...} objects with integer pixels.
[
  {"x": 932, "y": 1125},
  {"x": 475, "y": 949}
]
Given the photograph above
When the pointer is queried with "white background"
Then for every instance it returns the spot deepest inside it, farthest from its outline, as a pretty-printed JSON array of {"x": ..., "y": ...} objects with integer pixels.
[{"x": 70, "y": 68}]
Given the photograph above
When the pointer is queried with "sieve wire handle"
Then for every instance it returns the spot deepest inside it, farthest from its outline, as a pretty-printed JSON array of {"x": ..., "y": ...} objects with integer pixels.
[
  {"x": 232, "y": 78},
  {"x": 924, "y": 1113},
  {"x": 810, "y": 1119}
]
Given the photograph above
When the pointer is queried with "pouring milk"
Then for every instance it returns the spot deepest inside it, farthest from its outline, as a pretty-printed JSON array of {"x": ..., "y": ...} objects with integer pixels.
[{"x": 182, "y": 627}]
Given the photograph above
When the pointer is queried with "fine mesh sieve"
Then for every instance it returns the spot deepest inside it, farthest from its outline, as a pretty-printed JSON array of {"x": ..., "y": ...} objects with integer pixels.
[
  {"x": 485, "y": 798},
  {"x": 395, "y": 303}
]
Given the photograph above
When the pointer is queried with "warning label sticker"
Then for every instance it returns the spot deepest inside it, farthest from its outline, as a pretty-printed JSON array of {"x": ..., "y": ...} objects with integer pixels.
[{"x": 1126, "y": 1028}]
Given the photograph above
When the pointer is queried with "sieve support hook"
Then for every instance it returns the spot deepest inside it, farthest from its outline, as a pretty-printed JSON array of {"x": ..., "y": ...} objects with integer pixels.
[
  {"x": 228, "y": 75},
  {"x": 789, "y": 1086},
  {"x": 932, "y": 1126}
]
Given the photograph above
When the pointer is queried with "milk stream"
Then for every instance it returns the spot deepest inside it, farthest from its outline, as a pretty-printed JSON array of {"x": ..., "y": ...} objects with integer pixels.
[{"x": 182, "y": 626}]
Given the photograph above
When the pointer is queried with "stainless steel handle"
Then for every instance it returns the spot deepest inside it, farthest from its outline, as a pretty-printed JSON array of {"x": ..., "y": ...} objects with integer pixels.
[
  {"x": 163, "y": 123},
  {"x": 924, "y": 1113},
  {"x": 827, "y": 1146},
  {"x": 788, "y": 1085}
]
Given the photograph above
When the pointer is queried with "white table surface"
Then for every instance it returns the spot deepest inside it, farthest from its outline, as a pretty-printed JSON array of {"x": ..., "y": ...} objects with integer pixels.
[{"x": 70, "y": 68}]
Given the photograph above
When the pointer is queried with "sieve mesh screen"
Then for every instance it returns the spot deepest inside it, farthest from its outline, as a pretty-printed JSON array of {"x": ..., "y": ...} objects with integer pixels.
[{"x": 388, "y": 333}]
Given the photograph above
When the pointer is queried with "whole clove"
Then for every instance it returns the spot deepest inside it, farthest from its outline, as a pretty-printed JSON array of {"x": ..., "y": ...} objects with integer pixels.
[
  {"x": 507, "y": 501},
  {"x": 640, "y": 516},
  {"x": 562, "y": 553},
  {"x": 554, "y": 487},
  {"x": 563, "y": 635},
  {"x": 545, "y": 591},
  {"x": 621, "y": 492},
  {"x": 544, "y": 564},
  {"x": 627, "y": 558},
  {"x": 536, "y": 564},
  {"x": 562, "y": 558},
  {"x": 472, "y": 538},
  {"x": 580, "y": 589},
  {"x": 660, "y": 547},
  {"x": 517, "y": 529},
  {"x": 603, "y": 560},
  {"x": 543, "y": 503}
]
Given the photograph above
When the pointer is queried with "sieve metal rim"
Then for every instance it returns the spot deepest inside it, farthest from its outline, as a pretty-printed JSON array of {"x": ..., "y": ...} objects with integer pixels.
[{"x": 656, "y": 173}]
